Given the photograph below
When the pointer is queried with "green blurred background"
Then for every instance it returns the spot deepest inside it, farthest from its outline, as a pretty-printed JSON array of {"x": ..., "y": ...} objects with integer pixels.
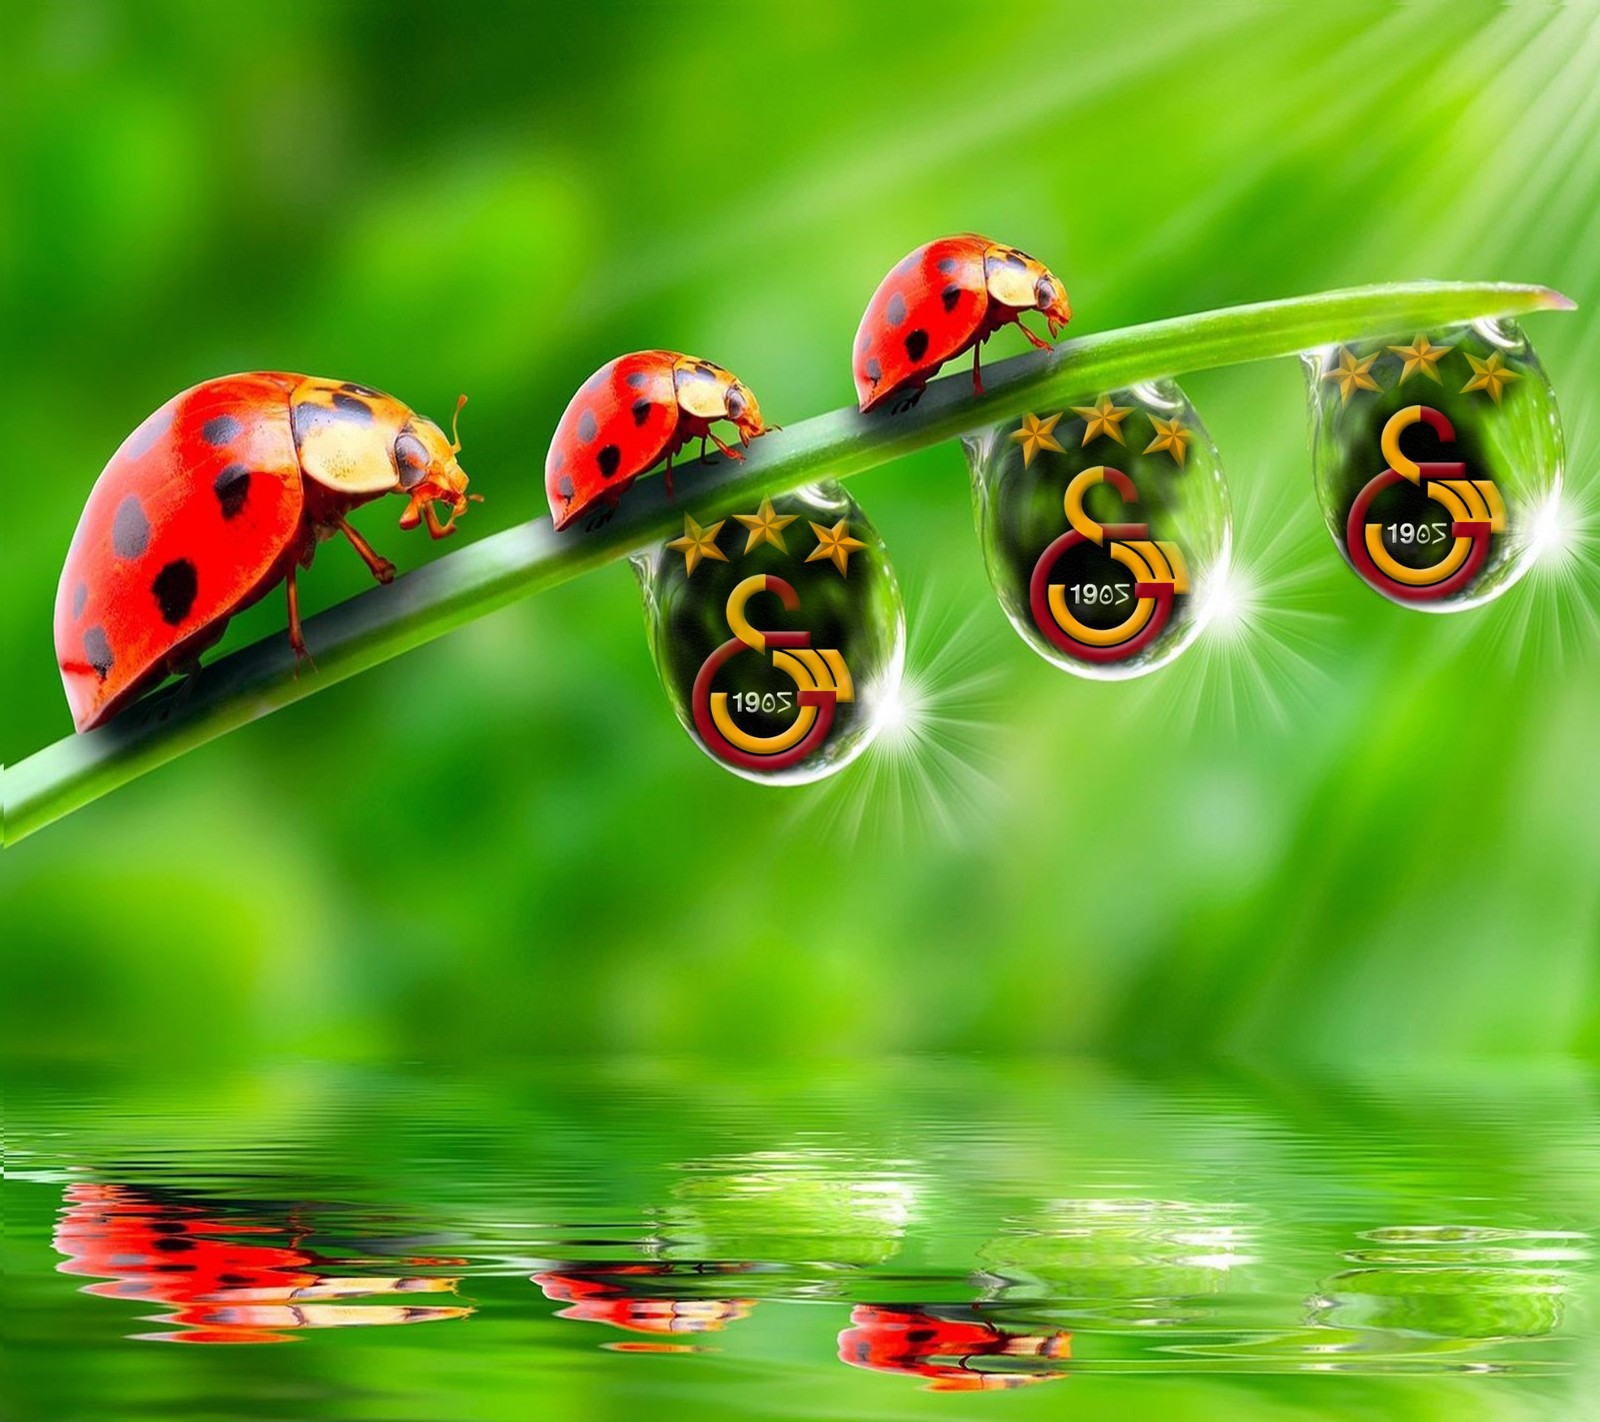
[{"x": 1353, "y": 831}]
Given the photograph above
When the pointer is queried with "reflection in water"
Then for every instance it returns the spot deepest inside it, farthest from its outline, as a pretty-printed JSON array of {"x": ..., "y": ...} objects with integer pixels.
[
  {"x": 170, "y": 1251},
  {"x": 953, "y": 1347},
  {"x": 1452, "y": 1286},
  {"x": 644, "y": 1298},
  {"x": 1146, "y": 1262}
]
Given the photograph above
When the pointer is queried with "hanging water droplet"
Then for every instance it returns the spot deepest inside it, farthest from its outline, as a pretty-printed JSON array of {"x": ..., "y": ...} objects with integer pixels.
[
  {"x": 778, "y": 633},
  {"x": 1102, "y": 523},
  {"x": 1437, "y": 460}
]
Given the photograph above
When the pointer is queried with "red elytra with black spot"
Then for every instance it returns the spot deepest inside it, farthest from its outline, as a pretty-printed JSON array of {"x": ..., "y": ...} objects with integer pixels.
[
  {"x": 943, "y": 1346},
  {"x": 632, "y": 412},
  {"x": 946, "y": 297},
  {"x": 215, "y": 499}
]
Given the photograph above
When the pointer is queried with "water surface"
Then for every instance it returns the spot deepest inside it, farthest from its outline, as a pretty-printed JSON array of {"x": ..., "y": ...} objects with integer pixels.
[{"x": 940, "y": 1238}]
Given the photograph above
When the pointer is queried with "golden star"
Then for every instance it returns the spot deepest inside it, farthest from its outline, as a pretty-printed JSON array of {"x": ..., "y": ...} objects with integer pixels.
[
  {"x": 1352, "y": 374},
  {"x": 1103, "y": 418},
  {"x": 835, "y": 543},
  {"x": 766, "y": 525},
  {"x": 1491, "y": 375},
  {"x": 698, "y": 543},
  {"x": 1170, "y": 436},
  {"x": 1035, "y": 435},
  {"x": 1422, "y": 355}
]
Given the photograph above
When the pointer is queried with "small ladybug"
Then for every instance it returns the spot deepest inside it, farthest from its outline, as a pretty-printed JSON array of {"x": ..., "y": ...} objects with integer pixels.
[
  {"x": 630, "y": 413},
  {"x": 941, "y": 299},
  {"x": 943, "y": 1345},
  {"x": 217, "y": 498},
  {"x": 640, "y": 1298}
]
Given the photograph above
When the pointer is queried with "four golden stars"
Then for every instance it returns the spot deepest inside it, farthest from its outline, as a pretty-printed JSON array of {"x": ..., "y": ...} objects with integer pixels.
[
  {"x": 835, "y": 543},
  {"x": 1035, "y": 435},
  {"x": 1170, "y": 436},
  {"x": 698, "y": 543},
  {"x": 1492, "y": 375},
  {"x": 1422, "y": 356},
  {"x": 1352, "y": 374},
  {"x": 766, "y": 525},
  {"x": 1103, "y": 418}
]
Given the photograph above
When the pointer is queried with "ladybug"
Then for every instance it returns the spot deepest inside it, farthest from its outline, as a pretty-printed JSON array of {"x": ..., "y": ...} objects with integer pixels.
[
  {"x": 942, "y": 299},
  {"x": 630, "y": 413},
  {"x": 943, "y": 1345},
  {"x": 639, "y": 1298},
  {"x": 222, "y": 1289},
  {"x": 217, "y": 498}
]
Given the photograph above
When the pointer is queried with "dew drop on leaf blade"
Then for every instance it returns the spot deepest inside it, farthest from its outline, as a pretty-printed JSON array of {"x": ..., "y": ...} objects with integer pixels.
[
  {"x": 778, "y": 631},
  {"x": 1437, "y": 460},
  {"x": 1102, "y": 524}
]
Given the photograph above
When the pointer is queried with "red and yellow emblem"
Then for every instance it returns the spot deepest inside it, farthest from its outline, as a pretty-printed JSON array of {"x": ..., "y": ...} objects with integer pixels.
[
  {"x": 1472, "y": 511},
  {"x": 1157, "y": 568},
  {"x": 820, "y": 676}
]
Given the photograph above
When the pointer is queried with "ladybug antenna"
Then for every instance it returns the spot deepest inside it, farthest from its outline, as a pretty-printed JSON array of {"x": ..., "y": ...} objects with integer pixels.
[{"x": 455, "y": 421}]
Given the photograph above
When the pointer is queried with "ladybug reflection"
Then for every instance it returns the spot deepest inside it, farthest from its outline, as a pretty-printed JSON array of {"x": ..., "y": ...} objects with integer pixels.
[
  {"x": 946, "y": 1345},
  {"x": 225, "y": 1286},
  {"x": 644, "y": 1298}
]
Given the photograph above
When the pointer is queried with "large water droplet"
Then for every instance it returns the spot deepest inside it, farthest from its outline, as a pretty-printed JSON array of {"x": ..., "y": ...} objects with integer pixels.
[
  {"x": 1101, "y": 524},
  {"x": 778, "y": 632},
  {"x": 1437, "y": 459}
]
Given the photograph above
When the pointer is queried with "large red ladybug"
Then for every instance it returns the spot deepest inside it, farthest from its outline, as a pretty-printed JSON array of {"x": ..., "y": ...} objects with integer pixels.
[
  {"x": 633, "y": 411},
  {"x": 227, "y": 1277},
  {"x": 940, "y": 300},
  {"x": 214, "y": 500}
]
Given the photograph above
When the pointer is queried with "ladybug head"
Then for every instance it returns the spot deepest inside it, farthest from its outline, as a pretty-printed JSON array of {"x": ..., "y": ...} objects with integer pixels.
[
  {"x": 429, "y": 474},
  {"x": 743, "y": 411},
  {"x": 1016, "y": 280}
]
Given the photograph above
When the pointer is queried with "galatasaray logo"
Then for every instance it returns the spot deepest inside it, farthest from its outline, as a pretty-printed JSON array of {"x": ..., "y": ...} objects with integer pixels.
[
  {"x": 820, "y": 679},
  {"x": 1157, "y": 569},
  {"x": 1469, "y": 512}
]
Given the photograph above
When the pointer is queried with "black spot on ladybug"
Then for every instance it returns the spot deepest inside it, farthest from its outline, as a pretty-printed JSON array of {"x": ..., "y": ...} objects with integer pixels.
[
  {"x": 143, "y": 439},
  {"x": 235, "y": 1281},
  {"x": 895, "y": 311},
  {"x": 174, "y": 1246},
  {"x": 174, "y": 588},
  {"x": 587, "y": 427},
  {"x": 173, "y": 1269},
  {"x": 706, "y": 369},
  {"x": 608, "y": 459},
  {"x": 919, "y": 1335},
  {"x": 864, "y": 342},
  {"x": 907, "y": 263},
  {"x": 597, "y": 380},
  {"x": 917, "y": 344},
  {"x": 355, "y": 389},
  {"x": 130, "y": 529},
  {"x": 232, "y": 488},
  {"x": 874, "y": 371},
  {"x": 641, "y": 410},
  {"x": 639, "y": 379},
  {"x": 565, "y": 488},
  {"x": 948, "y": 265},
  {"x": 863, "y": 1352},
  {"x": 220, "y": 430},
  {"x": 98, "y": 650},
  {"x": 353, "y": 406},
  {"x": 557, "y": 459},
  {"x": 949, "y": 296},
  {"x": 80, "y": 595}
]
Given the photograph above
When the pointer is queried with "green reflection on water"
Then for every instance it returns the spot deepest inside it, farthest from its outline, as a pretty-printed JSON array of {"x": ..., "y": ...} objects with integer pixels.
[{"x": 657, "y": 1236}]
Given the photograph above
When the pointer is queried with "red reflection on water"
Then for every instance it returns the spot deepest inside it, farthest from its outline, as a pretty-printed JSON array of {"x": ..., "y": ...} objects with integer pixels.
[
  {"x": 944, "y": 1345},
  {"x": 226, "y": 1290},
  {"x": 642, "y": 1299}
]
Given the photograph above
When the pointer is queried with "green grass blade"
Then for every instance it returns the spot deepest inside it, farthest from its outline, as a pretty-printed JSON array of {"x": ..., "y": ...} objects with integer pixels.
[{"x": 492, "y": 572}]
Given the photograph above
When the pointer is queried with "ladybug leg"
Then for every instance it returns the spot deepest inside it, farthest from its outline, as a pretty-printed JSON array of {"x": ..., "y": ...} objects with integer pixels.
[
  {"x": 703, "y": 458},
  {"x": 296, "y": 639},
  {"x": 977, "y": 373},
  {"x": 908, "y": 400},
  {"x": 382, "y": 568},
  {"x": 728, "y": 450},
  {"x": 669, "y": 472},
  {"x": 1039, "y": 342}
]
